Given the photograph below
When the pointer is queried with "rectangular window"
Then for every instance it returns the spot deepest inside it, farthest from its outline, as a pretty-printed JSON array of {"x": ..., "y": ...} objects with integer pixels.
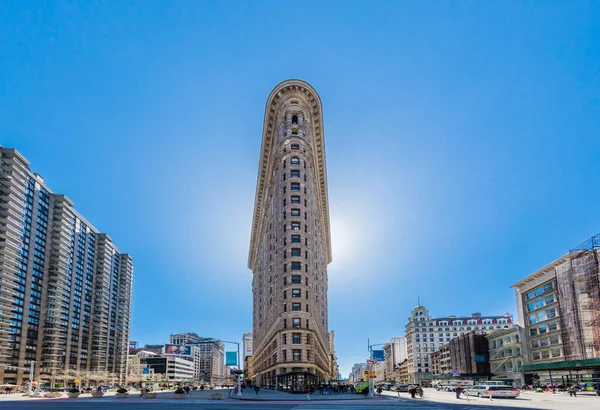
[
  {"x": 296, "y": 354},
  {"x": 296, "y": 307},
  {"x": 285, "y": 294},
  {"x": 295, "y": 212},
  {"x": 295, "y": 226},
  {"x": 296, "y": 338},
  {"x": 296, "y": 239},
  {"x": 295, "y": 146},
  {"x": 296, "y": 252},
  {"x": 296, "y": 322},
  {"x": 296, "y": 279},
  {"x": 296, "y": 265},
  {"x": 295, "y": 161},
  {"x": 285, "y": 307},
  {"x": 295, "y": 293},
  {"x": 295, "y": 199},
  {"x": 295, "y": 186},
  {"x": 285, "y": 355},
  {"x": 295, "y": 173}
]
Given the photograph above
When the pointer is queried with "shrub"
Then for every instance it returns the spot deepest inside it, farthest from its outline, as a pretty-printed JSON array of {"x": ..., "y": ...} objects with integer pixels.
[
  {"x": 122, "y": 390},
  {"x": 179, "y": 390}
]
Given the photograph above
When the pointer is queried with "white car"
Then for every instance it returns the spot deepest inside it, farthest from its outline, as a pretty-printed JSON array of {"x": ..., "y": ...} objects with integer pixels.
[{"x": 493, "y": 391}]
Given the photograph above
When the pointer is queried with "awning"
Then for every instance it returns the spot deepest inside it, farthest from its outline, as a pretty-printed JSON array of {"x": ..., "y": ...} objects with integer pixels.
[{"x": 566, "y": 365}]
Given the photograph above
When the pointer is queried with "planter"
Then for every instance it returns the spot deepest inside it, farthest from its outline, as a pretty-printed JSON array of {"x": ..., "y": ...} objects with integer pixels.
[
  {"x": 52, "y": 395},
  {"x": 150, "y": 395},
  {"x": 216, "y": 396},
  {"x": 97, "y": 395},
  {"x": 178, "y": 396},
  {"x": 73, "y": 395},
  {"x": 121, "y": 395}
]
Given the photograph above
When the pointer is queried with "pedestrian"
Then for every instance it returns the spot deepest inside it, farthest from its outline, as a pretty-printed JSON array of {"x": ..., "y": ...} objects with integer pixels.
[
  {"x": 458, "y": 391},
  {"x": 256, "y": 389},
  {"x": 412, "y": 390},
  {"x": 573, "y": 391}
]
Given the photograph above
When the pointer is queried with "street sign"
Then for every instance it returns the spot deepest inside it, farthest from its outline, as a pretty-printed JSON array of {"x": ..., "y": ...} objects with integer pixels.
[
  {"x": 379, "y": 355},
  {"x": 372, "y": 361}
]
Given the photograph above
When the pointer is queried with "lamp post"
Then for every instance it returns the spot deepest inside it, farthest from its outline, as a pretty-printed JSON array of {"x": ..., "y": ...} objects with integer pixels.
[
  {"x": 237, "y": 372},
  {"x": 370, "y": 366}
]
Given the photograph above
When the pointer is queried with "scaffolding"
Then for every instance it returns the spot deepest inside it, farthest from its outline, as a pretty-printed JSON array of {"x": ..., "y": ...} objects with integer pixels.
[{"x": 578, "y": 285}]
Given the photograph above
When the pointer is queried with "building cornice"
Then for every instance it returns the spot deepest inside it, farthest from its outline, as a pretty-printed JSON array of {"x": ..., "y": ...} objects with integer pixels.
[
  {"x": 280, "y": 94},
  {"x": 541, "y": 272}
]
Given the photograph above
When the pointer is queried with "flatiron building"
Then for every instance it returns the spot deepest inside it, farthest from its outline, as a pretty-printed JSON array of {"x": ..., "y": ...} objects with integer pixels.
[{"x": 290, "y": 245}]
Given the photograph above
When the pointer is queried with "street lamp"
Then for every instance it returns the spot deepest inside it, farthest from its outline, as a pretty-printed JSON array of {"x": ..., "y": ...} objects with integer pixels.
[{"x": 370, "y": 365}]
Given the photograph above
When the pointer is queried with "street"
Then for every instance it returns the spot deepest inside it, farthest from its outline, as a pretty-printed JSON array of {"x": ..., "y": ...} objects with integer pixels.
[{"x": 432, "y": 400}]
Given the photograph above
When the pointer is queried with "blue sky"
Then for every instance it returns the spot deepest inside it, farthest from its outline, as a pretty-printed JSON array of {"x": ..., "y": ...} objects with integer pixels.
[{"x": 462, "y": 145}]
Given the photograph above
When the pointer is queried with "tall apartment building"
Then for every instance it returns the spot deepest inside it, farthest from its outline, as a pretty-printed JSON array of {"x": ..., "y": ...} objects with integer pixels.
[
  {"x": 65, "y": 289},
  {"x": 290, "y": 245},
  {"x": 559, "y": 308},
  {"x": 425, "y": 335}
]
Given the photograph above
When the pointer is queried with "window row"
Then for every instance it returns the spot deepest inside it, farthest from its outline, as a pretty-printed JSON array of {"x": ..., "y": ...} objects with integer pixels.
[
  {"x": 295, "y": 252},
  {"x": 296, "y": 226},
  {"x": 296, "y": 267},
  {"x": 294, "y": 173},
  {"x": 296, "y": 323},
  {"x": 545, "y": 328},
  {"x": 295, "y": 212},
  {"x": 294, "y": 161},
  {"x": 296, "y": 279},
  {"x": 296, "y": 293},
  {"x": 294, "y": 187},
  {"x": 547, "y": 354},
  {"x": 294, "y": 199},
  {"x": 545, "y": 341},
  {"x": 541, "y": 316},
  {"x": 541, "y": 290},
  {"x": 296, "y": 307},
  {"x": 540, "y": 303},
  {"x": 296, "y": 355},
  {"x": 295, "y": 239}
]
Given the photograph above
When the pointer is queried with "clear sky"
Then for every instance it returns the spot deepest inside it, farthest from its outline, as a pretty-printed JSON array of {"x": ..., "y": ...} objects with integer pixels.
[{"x": 462, "y": 145}]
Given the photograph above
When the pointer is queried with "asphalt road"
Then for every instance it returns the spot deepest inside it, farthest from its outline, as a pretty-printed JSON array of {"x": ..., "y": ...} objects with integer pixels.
[{"x": 381, "y": 404}]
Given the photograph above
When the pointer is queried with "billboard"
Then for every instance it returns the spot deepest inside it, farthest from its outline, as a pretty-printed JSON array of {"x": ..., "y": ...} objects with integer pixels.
[
  {"x": 178, "y": 350},
  {"x": 247, "y": 344}
]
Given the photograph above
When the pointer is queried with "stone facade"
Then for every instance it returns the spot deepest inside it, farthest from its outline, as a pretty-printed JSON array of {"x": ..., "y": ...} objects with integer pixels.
[
  {"x": 425, "y": 335},
  {"x": 290, "y": 244}
]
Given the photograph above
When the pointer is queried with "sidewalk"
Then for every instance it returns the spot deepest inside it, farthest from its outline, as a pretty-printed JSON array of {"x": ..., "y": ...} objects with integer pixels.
[{"x": 274, "y": 395}]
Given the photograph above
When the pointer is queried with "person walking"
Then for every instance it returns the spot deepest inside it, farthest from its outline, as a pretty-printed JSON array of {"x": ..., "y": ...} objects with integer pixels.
[
  {"x": 256, "y": 389},
  {"x": 458, "y": 391},
  {"x": 573, "y": 391},
  {"x": 412, "y": 390}
]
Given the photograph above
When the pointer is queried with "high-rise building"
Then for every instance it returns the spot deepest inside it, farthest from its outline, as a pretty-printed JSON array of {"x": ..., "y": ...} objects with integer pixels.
[
  {"x": 184, "y": 338},
  {"x": 425, "y": 335},
  {"x": 65, "y": 289},
  {"x": 395, "y": 353},
  {"x": 290, "y": 245}
]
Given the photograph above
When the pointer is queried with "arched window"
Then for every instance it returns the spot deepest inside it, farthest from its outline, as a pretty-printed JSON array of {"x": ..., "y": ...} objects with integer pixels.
[{"x": 294, "y": 119}]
